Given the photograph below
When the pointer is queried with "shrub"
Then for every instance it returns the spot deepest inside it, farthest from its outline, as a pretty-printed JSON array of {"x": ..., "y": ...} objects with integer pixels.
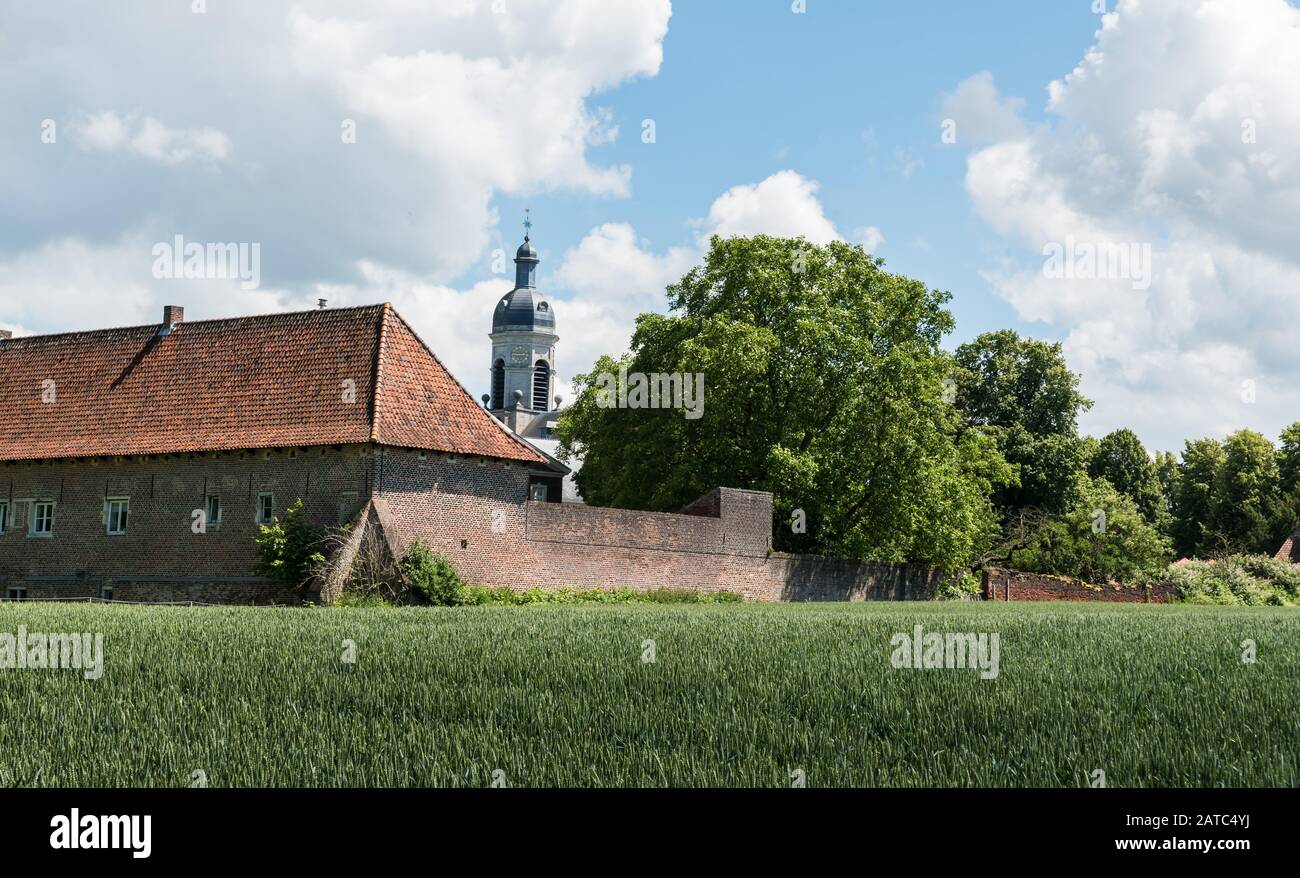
[
  {"x": 290, "y": 550},
  {"x": 1101, "y": 538},
  {"x": 1253, "y": 580},
  {"x": 360, "y": 599},
  {"x": 431, "y": 578},
  {"x": 963, "y": 585}
]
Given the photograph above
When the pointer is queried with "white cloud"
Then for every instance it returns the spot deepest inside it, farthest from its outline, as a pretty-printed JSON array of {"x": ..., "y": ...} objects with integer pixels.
[
  {"x": 785, "y": 204},
  {"x": 453, "y": 103},
  {"x": 1149, "y": 143},
  {"x": 979, "y": 113},
  {"x": 870, "y": 237},
  {"x": 149, "y": 138}
]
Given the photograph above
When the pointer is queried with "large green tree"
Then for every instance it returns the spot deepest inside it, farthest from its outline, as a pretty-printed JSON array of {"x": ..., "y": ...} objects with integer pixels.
[
  {"x": 1198, "y": 472},
  {"x": 1123, "y": 461},
  {"x": 1247, "y": 503},
  {"x": 1023, "y": 389},
  {"x": 824, "y": 384}
]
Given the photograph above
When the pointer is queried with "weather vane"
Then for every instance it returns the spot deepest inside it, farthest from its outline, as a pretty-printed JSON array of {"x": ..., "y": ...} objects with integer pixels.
[{"x": 528, "y": 224}]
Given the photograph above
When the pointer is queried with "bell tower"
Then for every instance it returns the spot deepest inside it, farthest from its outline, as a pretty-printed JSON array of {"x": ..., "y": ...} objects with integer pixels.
[{"x": 523, "y": 346}]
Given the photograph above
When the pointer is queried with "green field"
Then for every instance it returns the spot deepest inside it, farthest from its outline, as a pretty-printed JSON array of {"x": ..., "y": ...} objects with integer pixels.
[{"x": 737, "y": 695}]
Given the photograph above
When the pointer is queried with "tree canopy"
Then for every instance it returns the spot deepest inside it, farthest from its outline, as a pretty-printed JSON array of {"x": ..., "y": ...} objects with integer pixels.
[{"x": 824, "y": 384}]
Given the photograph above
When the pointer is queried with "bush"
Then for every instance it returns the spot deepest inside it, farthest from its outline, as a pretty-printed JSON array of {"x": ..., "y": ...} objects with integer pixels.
[
  {"x": 1101, "y": 538},
  {"x": 290, "y": 550},
  {"x": 963, "y": 585},
  {"x": 1253, "y": 580},
  {"x": 360, "y": 599},
  {"x": 431, "y": 578}
]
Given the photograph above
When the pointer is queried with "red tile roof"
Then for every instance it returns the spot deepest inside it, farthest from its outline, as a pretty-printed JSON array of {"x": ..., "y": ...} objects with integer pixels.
[{"x": 247, "y": 382}]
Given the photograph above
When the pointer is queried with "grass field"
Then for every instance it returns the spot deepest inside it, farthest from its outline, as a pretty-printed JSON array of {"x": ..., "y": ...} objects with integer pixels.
[{"x": 737, "y": 695}]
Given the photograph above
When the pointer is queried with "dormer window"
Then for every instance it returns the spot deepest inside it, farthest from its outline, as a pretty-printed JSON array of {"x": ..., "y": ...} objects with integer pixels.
[{"x": 542, "y": 306}]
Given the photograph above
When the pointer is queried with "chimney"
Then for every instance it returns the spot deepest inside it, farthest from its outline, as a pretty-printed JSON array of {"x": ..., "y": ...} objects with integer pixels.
[
  {"x": 172, "y": 315},
  {"x": 321, "y": 303}
]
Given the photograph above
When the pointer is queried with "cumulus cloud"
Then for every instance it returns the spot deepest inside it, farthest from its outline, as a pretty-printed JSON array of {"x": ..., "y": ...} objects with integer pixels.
[
  {"x": 451, "y": 104},
  {"x": 979, "y": 113},
  {"x": 149, "y": 138},
  {"x": 1172, "y": 133},
  {"x": 784, "y": 204}
]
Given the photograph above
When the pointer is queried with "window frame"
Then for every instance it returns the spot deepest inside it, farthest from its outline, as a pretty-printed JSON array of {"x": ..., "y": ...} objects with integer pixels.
[
  {"x": 533, "y": 491},
  {"x": 11, "y": 593},
  {"x": 109, "y": 503},
  {"x": 212, "y": 520},
  {"x": 4, "y": 516},
  {"x": 35, "y": 517},
  {"x": 270, "y": 509}
]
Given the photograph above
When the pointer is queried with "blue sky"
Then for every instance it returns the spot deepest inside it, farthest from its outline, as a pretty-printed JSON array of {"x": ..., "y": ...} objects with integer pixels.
[
  {"x": 750, "y": 89},
  {"x": 1164, "y": 129}
]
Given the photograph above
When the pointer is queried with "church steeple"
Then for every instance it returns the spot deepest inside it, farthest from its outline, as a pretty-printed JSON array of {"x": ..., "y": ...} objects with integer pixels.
[
  {"x": 526, "y": 259},
  {"x": 523, "y": 345}
]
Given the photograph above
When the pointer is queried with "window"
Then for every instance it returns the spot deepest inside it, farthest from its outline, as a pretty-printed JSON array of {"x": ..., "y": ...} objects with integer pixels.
[
  {"x": 265, "y": 508},
  {"x": 498, "y": 384},
  {"x": 106, "y": 593},
  {"x": 213, "y": 510},
  {"x": 14, "y": 593},
  {"x": 42, "y": 519},
  {"x": 4, "y": 515},
  {"x": 539, "y": 491},
  {"x": 541, "y": 385},
  {"x": 347, "y": 505},
  {"x": 117, "y": 508}
]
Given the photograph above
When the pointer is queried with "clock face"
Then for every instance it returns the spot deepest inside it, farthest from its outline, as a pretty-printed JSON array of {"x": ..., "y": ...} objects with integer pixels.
[{"x": 519, "y": 354}]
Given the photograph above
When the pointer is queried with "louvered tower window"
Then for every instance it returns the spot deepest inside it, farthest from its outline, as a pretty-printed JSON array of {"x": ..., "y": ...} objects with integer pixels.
[
  {"x": 498, "y": 384},
  {"x": 541, "y": 385}
]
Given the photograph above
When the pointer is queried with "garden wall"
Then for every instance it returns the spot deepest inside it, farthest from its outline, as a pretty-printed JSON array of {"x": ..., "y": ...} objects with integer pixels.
[{"x": 1013, "y": 585}]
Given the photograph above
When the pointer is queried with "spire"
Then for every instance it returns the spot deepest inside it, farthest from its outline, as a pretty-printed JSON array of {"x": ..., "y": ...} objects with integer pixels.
[{"x": 526, "y": 258}]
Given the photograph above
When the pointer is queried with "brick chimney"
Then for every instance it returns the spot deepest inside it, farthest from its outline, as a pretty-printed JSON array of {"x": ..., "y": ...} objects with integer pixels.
[{"x": 172, "y": 315}]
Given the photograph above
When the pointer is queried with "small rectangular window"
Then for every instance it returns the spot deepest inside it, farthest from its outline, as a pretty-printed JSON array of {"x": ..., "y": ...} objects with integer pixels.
[
  {"x": 213, "y": 510},
  {"x": 42, "y": 519},
  {"x": 539, "y": 491},
  {"x": 117, "y": 509},
  {"x": 4, "y": 515},
  {"x": 106, "y": 593},
  {"x": 265, "y": 508},
  {"x": 14, "y": 593}
]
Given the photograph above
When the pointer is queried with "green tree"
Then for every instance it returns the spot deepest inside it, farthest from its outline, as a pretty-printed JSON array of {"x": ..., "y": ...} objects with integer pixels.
[
  {"x": 824, "y": 385},
  {"x": 1247, "y": 504},
  {"x": 1288, "y": 460},
  {"x": 1122, "y": 461},
  {"x": 1167, "y": 474},
  {"x": 1023, "y": 388},
  {"x": 1102, "y": 537},
  {"x": 1194, "y": 497}
]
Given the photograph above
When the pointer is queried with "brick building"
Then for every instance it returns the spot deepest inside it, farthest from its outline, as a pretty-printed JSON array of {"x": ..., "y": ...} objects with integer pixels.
[{"x": 136, "y": 464}]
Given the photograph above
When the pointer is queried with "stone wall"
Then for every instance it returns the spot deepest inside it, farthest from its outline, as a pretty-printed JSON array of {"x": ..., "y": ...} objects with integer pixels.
[
  {"x": 160, "y": 557},
  {"x": 1013, "y": 585}
]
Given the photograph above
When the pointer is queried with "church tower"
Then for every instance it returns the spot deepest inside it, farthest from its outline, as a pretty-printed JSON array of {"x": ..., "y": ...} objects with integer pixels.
[{"x": 523, "y": 347}]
